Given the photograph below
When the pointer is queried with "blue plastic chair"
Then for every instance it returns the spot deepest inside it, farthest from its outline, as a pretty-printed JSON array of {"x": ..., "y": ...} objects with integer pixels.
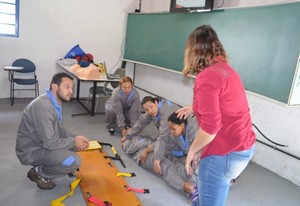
[{"x": 29, "y": 67}]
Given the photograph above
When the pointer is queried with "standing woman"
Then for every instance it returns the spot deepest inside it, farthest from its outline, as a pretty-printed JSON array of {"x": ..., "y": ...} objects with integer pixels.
[{"x": 220, "y": 105}]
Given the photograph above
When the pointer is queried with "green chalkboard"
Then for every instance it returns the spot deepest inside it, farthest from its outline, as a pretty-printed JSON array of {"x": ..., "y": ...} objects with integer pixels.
[{"x": 263, "y": 43}]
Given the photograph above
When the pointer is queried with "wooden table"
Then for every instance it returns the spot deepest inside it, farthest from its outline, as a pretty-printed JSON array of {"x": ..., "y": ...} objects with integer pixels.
[{"x": 91, "y": 110}]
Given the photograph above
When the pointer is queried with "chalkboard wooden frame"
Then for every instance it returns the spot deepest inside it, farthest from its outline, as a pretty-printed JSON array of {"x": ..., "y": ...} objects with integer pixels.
[{"x": 263, "y": 43}]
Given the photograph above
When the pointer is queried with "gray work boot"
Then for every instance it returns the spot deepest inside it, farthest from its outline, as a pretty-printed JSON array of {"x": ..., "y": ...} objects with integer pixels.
[{"x": 42, "y": 183}]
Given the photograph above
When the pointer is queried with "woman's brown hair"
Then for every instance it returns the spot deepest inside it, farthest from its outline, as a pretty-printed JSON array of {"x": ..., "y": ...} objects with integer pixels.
[
  {"x": 125, "y": 79},
  {"x": 203, "y": 46}
]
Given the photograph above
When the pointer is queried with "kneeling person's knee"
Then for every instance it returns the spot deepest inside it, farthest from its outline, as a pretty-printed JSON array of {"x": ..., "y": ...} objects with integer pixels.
[{"x": 72, "y": 162}]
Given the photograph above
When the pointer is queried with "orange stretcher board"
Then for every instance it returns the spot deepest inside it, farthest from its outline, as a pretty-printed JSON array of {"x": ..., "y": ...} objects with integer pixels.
[{"x": 98, "y": 177}]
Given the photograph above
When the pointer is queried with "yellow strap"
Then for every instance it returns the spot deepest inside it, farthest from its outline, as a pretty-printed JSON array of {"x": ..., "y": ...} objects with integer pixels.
[
  {"x": 114, "y": 150},
  {"x": 58, "y": 201},
  {"x": 123, "y": 174}
]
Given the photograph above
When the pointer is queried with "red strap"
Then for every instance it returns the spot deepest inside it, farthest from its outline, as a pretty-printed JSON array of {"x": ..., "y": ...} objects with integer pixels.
[
  {"x": 96, "y": 201},
  {"x": 127, "y": 188},
  {"x": 137, "y": 190}
]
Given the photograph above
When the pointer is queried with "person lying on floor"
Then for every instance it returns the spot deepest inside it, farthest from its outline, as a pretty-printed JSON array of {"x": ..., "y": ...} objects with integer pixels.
[
  {"x": 156, "y": 111},
  {"x": 142, "y": 149},
  {"x": 42, "y": 142},
  {"x": 122, "y": 108},
  {"x": 183, "y": 133}
]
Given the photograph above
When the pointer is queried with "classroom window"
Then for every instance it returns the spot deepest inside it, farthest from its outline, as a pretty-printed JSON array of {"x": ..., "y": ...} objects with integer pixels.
[{"x": 9, "y": 18}]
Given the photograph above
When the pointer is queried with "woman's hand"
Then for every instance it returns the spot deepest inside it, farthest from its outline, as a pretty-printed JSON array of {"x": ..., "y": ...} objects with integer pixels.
[
  {"x": 189, "y": 164},
  {"x": 144, "y": 154},
  {"x": 124, "y": 131},
  {"x": 123, "y": 139},
  {"x": 195, "y": 162},
  {"x": 184, "y": 112}
]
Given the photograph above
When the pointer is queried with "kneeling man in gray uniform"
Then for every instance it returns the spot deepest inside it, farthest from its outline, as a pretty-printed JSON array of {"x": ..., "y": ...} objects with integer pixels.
[{"x": 42, "y": 142}]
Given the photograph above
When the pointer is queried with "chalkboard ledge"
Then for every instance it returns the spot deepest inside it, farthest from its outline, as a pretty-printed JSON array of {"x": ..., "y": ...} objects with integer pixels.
[{"x": 151, "y": 65}]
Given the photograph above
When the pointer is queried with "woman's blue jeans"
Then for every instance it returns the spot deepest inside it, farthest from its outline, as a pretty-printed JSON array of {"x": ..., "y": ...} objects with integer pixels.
[{"x": 216, "y": 173}]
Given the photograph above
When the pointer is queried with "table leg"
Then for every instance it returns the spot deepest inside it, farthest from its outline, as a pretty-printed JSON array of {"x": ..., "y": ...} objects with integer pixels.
[
  {"x": 78, "y": 90},
  {"x": 93, "y": 98}
]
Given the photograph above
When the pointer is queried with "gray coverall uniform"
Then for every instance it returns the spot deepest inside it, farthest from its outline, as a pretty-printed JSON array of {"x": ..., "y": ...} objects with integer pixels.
[
  {"x": 173, "y": 172},
  {"x": 173, "y": 167},
  {"x": 42, "y": 141},
  {"x": 178, "y": 148},
  {"x": 122, "y": 111},
  {"x": 165, "y": 109},
  {"x": 177, "y": 151}
]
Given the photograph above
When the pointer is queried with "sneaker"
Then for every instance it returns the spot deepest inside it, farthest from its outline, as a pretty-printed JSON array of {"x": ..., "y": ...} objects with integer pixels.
[
  {"x": 111, "y": 131},
  {"x": 194, "y": 195},
  {"x": 71, "y": 175},
  {"x": 42, "y": 183}
]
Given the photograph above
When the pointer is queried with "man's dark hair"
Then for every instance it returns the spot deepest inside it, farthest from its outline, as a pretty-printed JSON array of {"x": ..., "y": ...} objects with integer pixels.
[
  {"x": 57, "y": 78},
  {"x": 174, "y": 119}
]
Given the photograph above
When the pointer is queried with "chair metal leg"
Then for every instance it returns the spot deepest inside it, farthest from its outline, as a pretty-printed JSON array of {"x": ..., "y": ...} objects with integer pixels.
[
  {"x": 88, "y": 99},
  {"x": 96, "y": 105},
  {"x": 36, "y": 90},
  {"x": 12, "y": 89}
]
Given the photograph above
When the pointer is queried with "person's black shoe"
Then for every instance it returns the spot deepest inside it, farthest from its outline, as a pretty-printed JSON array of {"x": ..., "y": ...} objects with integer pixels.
[
  {"x": 42, "y": 183},
  {"x": 111, "y": 131},
  {"x": 71, "y": 175}
]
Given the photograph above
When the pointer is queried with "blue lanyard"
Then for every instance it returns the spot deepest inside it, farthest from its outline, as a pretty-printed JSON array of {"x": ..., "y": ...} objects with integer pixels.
[
  {"x": 157, "y": 117},
  {"x": 130, "y": 95},
  {"x": 185, "y": 143},
  {"x": 55, "y": 104},
  {"x": 185, "y": 140}
]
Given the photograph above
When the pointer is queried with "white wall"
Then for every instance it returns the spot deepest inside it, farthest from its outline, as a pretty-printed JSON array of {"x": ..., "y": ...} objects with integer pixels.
[
  {"x": 277, "y": 121},
  {"x": 49, "y": 29}
]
